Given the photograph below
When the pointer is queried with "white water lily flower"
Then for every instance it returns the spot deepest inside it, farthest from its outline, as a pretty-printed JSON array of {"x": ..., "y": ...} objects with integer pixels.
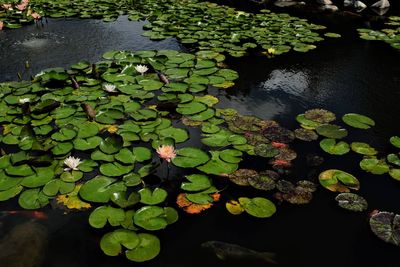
[
  {"x": 141, "y": 69},
  {"x": 109, "y": 88},
  {"x": 72, "y": 163},
  {"x": 24, "y": 100}
]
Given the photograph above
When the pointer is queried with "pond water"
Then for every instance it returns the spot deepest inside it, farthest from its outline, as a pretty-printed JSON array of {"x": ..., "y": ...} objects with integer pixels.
[{"x": 343, "y": 75}]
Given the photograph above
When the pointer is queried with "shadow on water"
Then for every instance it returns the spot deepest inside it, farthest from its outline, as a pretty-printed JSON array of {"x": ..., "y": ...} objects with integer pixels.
[{"x": 345, "y": 75}]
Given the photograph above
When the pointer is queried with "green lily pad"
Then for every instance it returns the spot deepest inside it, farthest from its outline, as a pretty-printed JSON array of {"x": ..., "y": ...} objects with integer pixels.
[
  {"x": 190, "y": 157},
  {"x": 338, "y": 181},
  {"x": 197, "y": 182},
  {"x": 331, "y": 131},
  {"x": 374, "y": 165},
  {"x": 100, "y": 189},
  {"x": 330, "y": 146},
  {"x": 33, "y": 199},
  {"x": 395, "y": 141},
  {"x": 258, "y": 207},
  {"x": 363, "y": 149},
  {"x": 149, "y": 197},
  {"x": 150, "y": 218},
  {"x": 218, "y": 166},
  {"x": 103, "y": 214},
  {"x": 112, "y": 243},
  {"x": 114, "y": 169},
  {"x": 358, "y": 121},
  {"x": 111, "y": 144},
  {"x": 148, "y": 248}
]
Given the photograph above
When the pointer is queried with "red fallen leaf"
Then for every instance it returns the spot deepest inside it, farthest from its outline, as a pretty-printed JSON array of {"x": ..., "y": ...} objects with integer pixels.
[
  {"x": 279, "y": 145},
  {"x": 197, "y": 208}
]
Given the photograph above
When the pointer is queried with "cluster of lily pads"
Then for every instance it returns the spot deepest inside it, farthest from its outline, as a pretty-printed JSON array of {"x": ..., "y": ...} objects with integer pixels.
[
  {"x": 14, "y": 14},
  {"x": 223, "y": 29},
  {"x": 88, "y": 136},
  {"x": 388, "y": 35}
]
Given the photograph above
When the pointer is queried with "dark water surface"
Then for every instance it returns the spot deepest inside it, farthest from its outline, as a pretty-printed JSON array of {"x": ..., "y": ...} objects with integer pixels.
[{"x": 344, "y": 75}]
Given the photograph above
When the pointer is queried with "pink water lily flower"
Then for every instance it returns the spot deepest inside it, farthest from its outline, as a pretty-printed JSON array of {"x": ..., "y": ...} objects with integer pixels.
[
  {"x": 166, "y": 152},
  {"x": 21, "y": 7},
  {"x": 35, "y": 16}
]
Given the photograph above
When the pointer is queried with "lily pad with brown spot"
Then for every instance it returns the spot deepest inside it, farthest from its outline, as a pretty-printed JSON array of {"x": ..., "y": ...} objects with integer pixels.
[
  {"x": 386, "y": 226},
  {"x": 305, "y": 134},
  {"x": 242, "y": 176},
  {"x": 320, "y": 115},
  {"x": 338, "y": 181},
  {"x": 279, "y": 134}
]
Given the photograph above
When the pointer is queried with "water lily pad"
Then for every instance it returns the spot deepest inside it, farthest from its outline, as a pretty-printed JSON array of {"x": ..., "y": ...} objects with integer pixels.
[
  {"x": 33, "y": 199},
  {"x": 149, "y": 197},
  {"x": 305, "y": 134},
  {"x": 279, "y": 134},
  {"x": 112, "y": 243},
  {"x": 234, "y": 207},
  {"x": 394, "y": 159},
  {"x": 395, "y": 141},
  {"x": 363, "y": 149},
  {"x": 264, "y": 181},
  {"x": 350, "y": 201},
  {"x": 374, "y": 165},
  {"x": 386, "y": 226},
  {"x": 197, "y": 182},
  {"x": 331, "y": 131},
  {"x": 338, "y": 181},
  {"x": 103, "y": 214},
  {"x": 114, "y": 169},
  {"x": 258, "y": 207},
  {"x": 190, "y": 157},
  {"x": 218, "y": 166},
  {"x": 111, "y": 144},
  {"x": 320, "y": 115},
  {"x": 148, "y": 248},
  {"x": 100, "y": 189},
  {"x": 330, "y": 146},
  {"x": 358, "y": 121},
  {"x": 151, "y": 218}
]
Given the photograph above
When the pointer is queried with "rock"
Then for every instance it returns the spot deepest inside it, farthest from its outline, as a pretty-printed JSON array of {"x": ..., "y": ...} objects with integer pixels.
[
  {"x": 348, "y": 3},
  {"x": 287, "y": 3},
  {"x": 359, "y": 6},
  {"x": 331, "y": 8},
  {"x": 382, "y": 4},
  {"x": 24, "y": 246},
  {"x": 325, "y": 2}
]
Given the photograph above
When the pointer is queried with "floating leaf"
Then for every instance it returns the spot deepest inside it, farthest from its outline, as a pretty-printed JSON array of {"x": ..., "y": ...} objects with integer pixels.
[
  {"x": 358, "y": 121},
  {"x": 331, "y": 131},
  {"x": 330, "y": 146},
  {"x": 320, "y": 115},
  {"x": 100, "y": 189},
  {"x": 363, "y": 148},
  {"x": 148, "y": 248},
  {"x": 151, "y": 218},
  {"x": 338, "y": 181},
  {"x": 197, "y": 182},
  {"x": 350, "y": 201},
  {"x": 112, "y": 243},
  {"x": 154, "y": 197},
  {"x": 190, "y": 157},
  {"x": 374, "y": 165},
  {"x": 258, "y": 206},
  {"x": 395, "y": 141},
  {"x": 103, "y": 214},
  {"x": 386, "y": 226},
  {"x": 234, "y": 207},
  {"x": 72, "y": 200}
]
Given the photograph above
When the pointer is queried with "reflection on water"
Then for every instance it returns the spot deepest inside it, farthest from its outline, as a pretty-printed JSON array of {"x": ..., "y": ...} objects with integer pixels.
[
  {"x": 63, "y": 42},
  {"x": 289, "y": 81}
]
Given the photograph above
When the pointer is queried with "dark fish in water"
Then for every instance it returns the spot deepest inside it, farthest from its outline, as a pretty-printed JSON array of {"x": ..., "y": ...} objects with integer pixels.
[
  {"x": 75, "y": 84},
  {"x": 25, "y": 245},
  {"x": 39, "y": 215},
  {"x": 95, "y": 74},
  {"x": 89, "y": 110},
  {"x": 162, "y": 77},
  {"x": 226, "y": 250}
]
